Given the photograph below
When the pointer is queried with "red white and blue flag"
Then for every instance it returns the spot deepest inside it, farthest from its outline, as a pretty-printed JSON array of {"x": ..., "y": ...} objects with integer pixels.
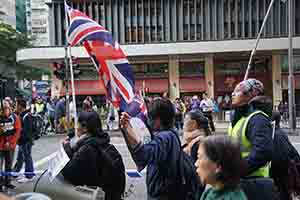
[{"x": 114, "y": 69}]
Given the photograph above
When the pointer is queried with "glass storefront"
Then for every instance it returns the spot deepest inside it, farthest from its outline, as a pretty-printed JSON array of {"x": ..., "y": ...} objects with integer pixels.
[
  {"x": 284, "y": 76},
  {"x": 150, "y": 69},
  {"x": 191, "y": 68},
  {"x": 285, "y": 64},
  {"x": 152, "y": 78},
  {"x": 192, "y": 78}
]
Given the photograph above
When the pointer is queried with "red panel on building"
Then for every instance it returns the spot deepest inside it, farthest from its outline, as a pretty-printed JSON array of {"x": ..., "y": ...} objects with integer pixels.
[
  {"x": 86, "y": 87},
  {"x": 227, "y": 83},
  {"x": 285, "y": 81},
  {"x": 192, "y": 84},
  {"x": 152, "y": 85}
]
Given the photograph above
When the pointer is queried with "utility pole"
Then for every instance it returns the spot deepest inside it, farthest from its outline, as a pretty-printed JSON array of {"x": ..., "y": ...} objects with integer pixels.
[
  {"x": 292, "y": 117},
  {"x": 67, "y": 86}
]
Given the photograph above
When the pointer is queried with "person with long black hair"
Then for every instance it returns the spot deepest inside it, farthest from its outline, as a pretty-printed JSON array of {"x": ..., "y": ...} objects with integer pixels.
[
  {"x": 195, "y": 128},
  {"x": 93, "y": 160}
]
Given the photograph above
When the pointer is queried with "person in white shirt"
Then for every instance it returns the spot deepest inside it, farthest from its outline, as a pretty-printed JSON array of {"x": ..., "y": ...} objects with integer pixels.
[
  {"x": 206, "y": 106},
  {"x": 111, "y": 117}
]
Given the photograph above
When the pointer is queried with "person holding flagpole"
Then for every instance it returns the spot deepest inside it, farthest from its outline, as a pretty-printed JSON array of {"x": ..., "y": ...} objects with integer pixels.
[{"x": 251, "y": 127}]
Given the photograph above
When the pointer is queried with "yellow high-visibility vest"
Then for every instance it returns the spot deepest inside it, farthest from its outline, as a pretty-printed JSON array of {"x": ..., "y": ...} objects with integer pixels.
[{"x": 238, "y": 132}]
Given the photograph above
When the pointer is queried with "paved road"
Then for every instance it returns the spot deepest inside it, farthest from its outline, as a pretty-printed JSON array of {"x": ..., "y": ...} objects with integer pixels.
[{"x": 45, "y": 148}]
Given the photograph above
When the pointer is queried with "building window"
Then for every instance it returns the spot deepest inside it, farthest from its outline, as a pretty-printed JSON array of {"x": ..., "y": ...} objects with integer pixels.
[
  {"x": 150, "y": 69},
  {"x": 285, "y": 64},
  {"x": 157, "y": 68},
  {"x": 232, "y": 68},
  {"x": 39, "y": 30},
  {"x": 259, "y": 66},
  {"x": 297, "y": 18},
  {"x": 191, "y": 68}
]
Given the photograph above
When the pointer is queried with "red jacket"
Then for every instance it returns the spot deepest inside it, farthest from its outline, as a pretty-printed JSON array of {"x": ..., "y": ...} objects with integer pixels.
[{"x": 11, "y": 129}]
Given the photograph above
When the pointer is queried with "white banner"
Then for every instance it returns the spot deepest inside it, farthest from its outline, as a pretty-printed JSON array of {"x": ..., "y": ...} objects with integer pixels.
[{"x": 58, "y": 163}]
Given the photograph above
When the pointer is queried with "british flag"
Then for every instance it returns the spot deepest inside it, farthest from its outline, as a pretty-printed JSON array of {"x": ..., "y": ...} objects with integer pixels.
[
  {"x": 114, "y": 69},
  {"x": 138, "y": 108}
]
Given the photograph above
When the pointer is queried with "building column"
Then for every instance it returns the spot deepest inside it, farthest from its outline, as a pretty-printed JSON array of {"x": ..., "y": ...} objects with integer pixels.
[
  {"x": 276, "y": 79},
  {"x": 174, "y": 77},
  {"x": 209, "y": 75}
]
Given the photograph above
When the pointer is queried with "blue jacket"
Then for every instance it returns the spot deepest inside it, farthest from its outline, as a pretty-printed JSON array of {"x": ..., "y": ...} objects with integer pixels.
[
  {"x": 160, "y": 156},
  {"x": 259, "y": 133}
]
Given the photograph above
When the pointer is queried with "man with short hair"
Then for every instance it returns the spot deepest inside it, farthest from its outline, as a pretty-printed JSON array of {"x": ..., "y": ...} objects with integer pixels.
[
  {"x": 161, "y": 154},
  {"x": 25, "y": 143}
]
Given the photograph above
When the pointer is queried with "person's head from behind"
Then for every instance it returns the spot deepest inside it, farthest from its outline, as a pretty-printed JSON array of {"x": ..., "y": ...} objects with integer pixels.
[
  {"x": 21, "y": 105},
  {"x": 87, "y": 105},
  {"x": 161, "y": 114},
  {"x": 219, "y": 162},
  {"x": 245, "y": 91},
  {"x": 195, "y": 120},
  {"x": 89, "y": 123}
]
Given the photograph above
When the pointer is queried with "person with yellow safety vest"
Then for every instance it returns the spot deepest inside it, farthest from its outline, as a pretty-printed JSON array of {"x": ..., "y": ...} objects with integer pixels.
[
  {"x": 39, "y": 106},
  {"x": 251, "y": 127}
]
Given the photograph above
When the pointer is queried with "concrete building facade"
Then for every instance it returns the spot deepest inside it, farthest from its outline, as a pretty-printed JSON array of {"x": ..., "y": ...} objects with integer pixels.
[
  {"x": 37, "y": 22},
  {"x": 185, "y": 47},
  {"x": 8, "y": 12}
]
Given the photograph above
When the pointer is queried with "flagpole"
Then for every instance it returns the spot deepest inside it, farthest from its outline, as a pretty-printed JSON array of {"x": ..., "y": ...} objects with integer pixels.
[
  {"x": 257, "y": 40},
  {"x": 69, "y": 54}
]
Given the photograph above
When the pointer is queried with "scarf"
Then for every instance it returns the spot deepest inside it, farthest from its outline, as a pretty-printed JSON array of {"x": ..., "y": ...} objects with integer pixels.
[{"x": 190, "y": 138}]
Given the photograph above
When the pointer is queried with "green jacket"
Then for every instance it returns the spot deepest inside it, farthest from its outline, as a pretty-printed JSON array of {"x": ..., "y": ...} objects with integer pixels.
[{"x": 227, "y": 194}]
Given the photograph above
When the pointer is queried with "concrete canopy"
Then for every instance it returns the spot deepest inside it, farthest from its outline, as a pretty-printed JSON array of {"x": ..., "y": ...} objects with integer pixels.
[{"x": 44, "y": 56}]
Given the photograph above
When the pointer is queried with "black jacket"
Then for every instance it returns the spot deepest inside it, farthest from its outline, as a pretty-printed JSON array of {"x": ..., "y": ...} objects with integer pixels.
[
  {"x": 284, "y": 151},
  {"x": 26, "y": 131},
  {"x": 86, "y": 164}
]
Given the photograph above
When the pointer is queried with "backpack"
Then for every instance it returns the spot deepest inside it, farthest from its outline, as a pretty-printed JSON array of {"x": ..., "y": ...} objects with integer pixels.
[
  {"x": 215, "y": 108},
  {"x": 285, "y": 167},
  {"x": 112, "y": 173},
  {"x": 187, "y": 183}
]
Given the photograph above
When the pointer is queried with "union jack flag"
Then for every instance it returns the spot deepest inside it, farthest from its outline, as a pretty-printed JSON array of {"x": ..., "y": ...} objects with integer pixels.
[
  {"x": 114, "y": 69},
  {"x": 137, "y": 108}
]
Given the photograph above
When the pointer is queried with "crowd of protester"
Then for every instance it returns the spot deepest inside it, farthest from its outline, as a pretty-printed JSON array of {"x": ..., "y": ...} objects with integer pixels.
[{"x": 202, "y": 165}]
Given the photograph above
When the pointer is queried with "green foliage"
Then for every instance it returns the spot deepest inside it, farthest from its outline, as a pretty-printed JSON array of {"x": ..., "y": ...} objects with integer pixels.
[{"x": 10, "y": 41}]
